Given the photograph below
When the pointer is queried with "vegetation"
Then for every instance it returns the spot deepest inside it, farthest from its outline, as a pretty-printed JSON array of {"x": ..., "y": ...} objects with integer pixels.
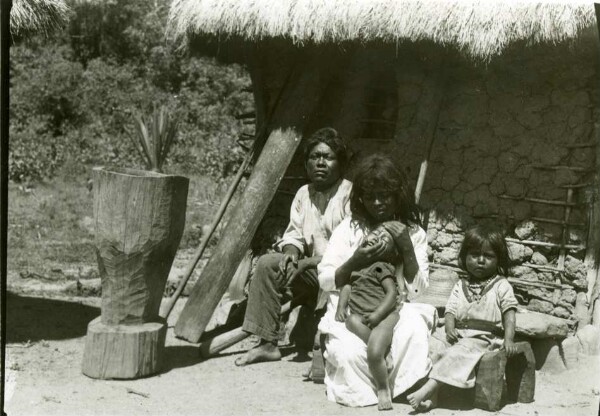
[
  {"x": 73, "y": 103},
  {"x": 73, "y": 96}
]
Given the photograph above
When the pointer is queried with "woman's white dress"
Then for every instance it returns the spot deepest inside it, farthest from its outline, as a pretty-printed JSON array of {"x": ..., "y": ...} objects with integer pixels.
[{"x": 347, "y": 376}]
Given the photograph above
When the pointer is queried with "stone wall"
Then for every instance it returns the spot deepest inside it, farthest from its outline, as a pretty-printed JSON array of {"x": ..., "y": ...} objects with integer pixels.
[{"x": 507, "y": 132}]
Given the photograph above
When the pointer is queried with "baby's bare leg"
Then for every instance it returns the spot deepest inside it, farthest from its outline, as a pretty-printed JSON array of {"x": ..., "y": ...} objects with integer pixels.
[
  {"x": 355, "y": 325},
  {"x": 377, "y": 348}
]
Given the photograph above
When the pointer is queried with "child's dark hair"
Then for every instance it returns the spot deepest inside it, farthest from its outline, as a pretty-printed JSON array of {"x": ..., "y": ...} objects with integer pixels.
[
  {"x": 474, "y": 239},
  {"x": 379, "y": 171},
  {"x": 334, "y": 140}
]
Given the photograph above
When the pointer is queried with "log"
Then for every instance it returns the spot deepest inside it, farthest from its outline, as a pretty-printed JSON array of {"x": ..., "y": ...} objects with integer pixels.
[
  {"x": 214, "y": 280},
  {"x": 123, "y": 351},
  {"x": 490, "y": 387},
  {"x": 223, "y": 341},
  {"x": 520, "y": 374},
  {"x": 140, "y": 216}
]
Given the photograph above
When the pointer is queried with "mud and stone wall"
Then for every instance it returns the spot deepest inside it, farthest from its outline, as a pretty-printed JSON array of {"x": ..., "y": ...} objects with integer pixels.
[
  {"x": 508, "y": 140},
  {"x": 509, "y": 136}
]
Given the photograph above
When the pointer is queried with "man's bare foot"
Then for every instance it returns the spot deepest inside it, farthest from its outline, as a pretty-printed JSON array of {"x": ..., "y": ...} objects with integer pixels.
[
  {"x": 384, "y": 398},
  {"x": 425, "y": 398},
  {"x": 265, "y": 351}
]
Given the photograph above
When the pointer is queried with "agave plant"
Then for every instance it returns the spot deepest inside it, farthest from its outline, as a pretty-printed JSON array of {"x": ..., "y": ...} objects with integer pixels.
[{"x": 154, "y": 136}]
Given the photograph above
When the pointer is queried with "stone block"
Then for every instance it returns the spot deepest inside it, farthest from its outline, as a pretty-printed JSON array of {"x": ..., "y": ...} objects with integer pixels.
[
  {"x": 538, "y": 258},
  {"x": 575, "y": 268},
  {"x": 525, "y": 230},
  {"x": 571, "y": 348},
  {"x": 446, "y": 256},
  {"x": 444, "y": 239},
  {"x": 538, "y": 305},
  {"x": 547, "y": 356},
  {"x": 561, "y": 312},
  {"x": 569, "y": 296},
  {"x": 589, "y": 337},
  {"x": 538, "y": 325},
  {"x": 518, "y": 252}
]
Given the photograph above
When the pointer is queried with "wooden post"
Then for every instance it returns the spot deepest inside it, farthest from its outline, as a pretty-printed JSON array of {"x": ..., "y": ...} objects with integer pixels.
[
  {"x": 237, "y": 235},
  {"x": 5, "y": 7},
  {"x": 594, "y": 273},
  {"x": 140, "y": 216},
  {"x": 300, "y": 96},
  {"x": 429, "y": 113}
]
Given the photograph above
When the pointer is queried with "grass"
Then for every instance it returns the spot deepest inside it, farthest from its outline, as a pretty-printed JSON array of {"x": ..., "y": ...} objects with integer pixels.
[{"x": 51, "y": 229}]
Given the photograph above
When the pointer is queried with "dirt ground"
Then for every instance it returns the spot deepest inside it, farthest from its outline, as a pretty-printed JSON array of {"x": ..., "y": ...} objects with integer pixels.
[{"x": 45, "y": 339}]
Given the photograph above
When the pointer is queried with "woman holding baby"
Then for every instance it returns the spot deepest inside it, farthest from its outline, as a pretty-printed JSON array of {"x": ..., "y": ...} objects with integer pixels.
[{"x": 376, "y": 343}]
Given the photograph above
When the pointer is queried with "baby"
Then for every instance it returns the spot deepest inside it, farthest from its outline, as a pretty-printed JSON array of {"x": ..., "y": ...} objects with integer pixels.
[{"x": 372, "y": 299}]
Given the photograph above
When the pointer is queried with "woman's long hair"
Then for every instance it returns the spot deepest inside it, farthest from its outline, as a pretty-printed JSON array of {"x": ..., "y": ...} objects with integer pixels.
[{"x": 378, "y": 171}]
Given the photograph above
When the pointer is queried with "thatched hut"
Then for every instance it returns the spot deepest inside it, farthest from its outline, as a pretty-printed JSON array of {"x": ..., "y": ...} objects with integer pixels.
[
  {"x": 495, "y": 101},
  {"x": 36, "y": 16}
]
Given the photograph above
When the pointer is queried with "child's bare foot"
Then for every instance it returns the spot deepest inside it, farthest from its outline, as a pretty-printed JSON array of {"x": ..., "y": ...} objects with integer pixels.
[
  {"x": 265, "y": 351},
  {"x": 385, "y": 399},
  {"x": 425, "y": 398}
]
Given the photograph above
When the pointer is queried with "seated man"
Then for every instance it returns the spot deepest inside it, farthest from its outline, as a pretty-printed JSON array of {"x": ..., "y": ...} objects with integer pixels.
[{"x": 316, "y": 210}]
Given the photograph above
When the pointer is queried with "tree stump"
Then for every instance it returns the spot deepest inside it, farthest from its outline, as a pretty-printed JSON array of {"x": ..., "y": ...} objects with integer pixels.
[{"x": 140, "y": 216}]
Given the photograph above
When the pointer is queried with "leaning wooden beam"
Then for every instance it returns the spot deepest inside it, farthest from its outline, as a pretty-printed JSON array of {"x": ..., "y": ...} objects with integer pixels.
[
  {"x": 237, "y": 235},
  {"x": 430, "y": 110},
  {"x": 223, "y": 341},
  {"x": 192, "y": 264}
]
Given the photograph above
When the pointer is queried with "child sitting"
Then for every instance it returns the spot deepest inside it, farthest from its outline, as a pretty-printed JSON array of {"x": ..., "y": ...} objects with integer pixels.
[
  {"x": 476, "y": 304},
  {"x": 372, "y": 299}
]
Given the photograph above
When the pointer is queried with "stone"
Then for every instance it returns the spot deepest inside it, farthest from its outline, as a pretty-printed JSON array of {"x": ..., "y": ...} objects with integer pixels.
[
  {"x": 589, "y": 337},
  {"x": 581, "y": 283},
  {"x": 540, "y": 292},
  {"x": 446, "y": 256},
  {"x": 432, "y": 234},
  {"x": 515, "y": 188},
  {"x": 575, "y": 268},
  {"x": 519, "y": 271},
  {"x": 525, "y": 230},
  {"x": 571, "y": 348},
  {"x": 521, "y": 209},
  {"x": 561, "y": 312},
  {"x": 518, "y": 253},
  {"x": 452, "y": 227},
  {"x": 444, "y": 239},
  {"x": 539, "y": 325},
  {"x": 547, "y": 356},
  {"x": 508, "y": 162},
  {"x": 542, "y": 306},
  {"x": 538, "y": 258},
  {"x": 569, "y": 296},
  {"x": 581, "y": 309}
]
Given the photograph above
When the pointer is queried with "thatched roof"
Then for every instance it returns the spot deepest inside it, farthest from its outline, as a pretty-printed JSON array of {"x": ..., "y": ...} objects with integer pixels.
[
  {"x": 28, "y": 16},
  {"x": 481, "y": 28}
]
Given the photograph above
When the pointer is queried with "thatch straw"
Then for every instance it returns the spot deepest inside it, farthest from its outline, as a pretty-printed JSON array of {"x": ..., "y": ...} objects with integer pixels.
[
  {"x": 480, "y": 28},
  {"x": 39, "y": 16}
]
